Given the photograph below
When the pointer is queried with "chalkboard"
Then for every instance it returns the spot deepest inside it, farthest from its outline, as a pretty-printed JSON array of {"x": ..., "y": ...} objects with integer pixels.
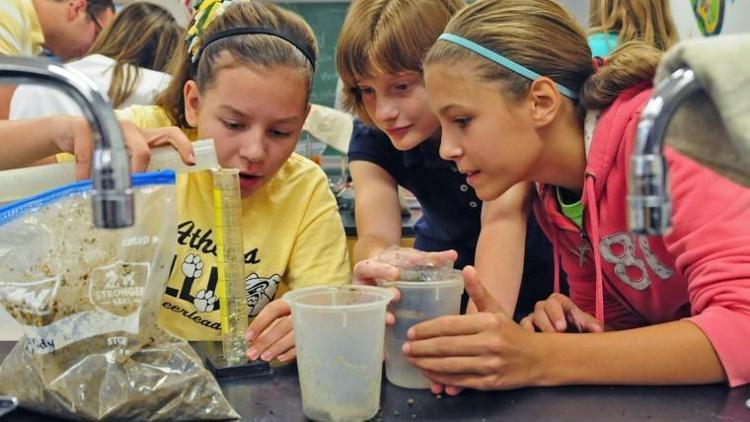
[{"x": 326, "y": 19}]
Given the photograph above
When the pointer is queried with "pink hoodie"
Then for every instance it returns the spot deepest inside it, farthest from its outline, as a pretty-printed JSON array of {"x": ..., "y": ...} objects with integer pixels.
[{"x": 700, "y": 271}]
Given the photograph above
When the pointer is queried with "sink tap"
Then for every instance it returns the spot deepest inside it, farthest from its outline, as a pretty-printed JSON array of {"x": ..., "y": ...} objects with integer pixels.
[
  {"x": 112, "y": 197},
  {"x": 649, "y": 202}
]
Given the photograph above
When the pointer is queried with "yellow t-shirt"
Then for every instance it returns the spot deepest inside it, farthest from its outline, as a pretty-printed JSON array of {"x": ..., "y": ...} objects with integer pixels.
[
  {"x": 20, "y": 30},
  {"x": 292, "y": 232}
]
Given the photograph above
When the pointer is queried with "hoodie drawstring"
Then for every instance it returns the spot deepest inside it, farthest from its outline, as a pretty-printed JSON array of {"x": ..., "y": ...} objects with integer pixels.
[
  {"x": 556, "y": 257},
  {"x": 594, "y": 216}
]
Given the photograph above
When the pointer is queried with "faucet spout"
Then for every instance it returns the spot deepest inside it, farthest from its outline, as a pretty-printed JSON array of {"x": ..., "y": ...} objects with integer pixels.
[
  {"x": 649, "y": 202},
  {"x": 112, "y": 198}
]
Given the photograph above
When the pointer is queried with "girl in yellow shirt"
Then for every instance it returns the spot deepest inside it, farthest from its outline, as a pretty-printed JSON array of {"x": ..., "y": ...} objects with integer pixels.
[{"x": 245, "y": 81}]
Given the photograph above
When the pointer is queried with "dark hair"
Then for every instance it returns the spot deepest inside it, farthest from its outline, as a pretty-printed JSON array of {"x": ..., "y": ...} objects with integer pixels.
[
  {"x": 252, "y": 49},
  {"x": 96, "y": 7}
]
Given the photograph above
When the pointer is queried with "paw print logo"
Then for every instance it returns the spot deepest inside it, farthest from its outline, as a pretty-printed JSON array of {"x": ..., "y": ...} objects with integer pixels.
[
  {"x": 260, "y": 291},
  {"x": 205, "y": 300},
  {"x": 192, "y": 266}
]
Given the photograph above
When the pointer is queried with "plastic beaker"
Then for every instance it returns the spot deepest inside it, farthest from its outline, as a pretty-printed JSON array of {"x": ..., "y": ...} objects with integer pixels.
[
  {"x": 338, "y": 332},
  {"x": 420, "y": 301}
]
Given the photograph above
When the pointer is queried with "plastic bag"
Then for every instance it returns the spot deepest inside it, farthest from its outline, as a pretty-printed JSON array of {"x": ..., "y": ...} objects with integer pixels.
[{"x": 89, "y": 302}]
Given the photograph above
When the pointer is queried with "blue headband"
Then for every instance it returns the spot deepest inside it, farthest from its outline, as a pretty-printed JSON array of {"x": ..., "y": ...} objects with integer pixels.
[{"x": 502, "y": 61}]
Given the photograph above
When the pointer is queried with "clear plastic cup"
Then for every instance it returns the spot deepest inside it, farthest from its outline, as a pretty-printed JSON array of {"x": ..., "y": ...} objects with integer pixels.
[
  {"x": 338, "y": 333},
  {"x": 420, "y": 301}
]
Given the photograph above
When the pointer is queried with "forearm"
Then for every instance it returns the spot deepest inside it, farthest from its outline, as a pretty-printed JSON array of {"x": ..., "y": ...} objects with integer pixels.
[
  {"x": 6, "y": 94},
  {"x": 671, "y": 353},
  {"x": 28, "y": 141},
  {"x": 499, "y": 261},
  {"x": 370, "y": 245}
]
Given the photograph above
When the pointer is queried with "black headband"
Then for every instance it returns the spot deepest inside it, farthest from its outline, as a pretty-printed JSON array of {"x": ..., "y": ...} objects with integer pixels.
[{"x": 265, "y": 31}]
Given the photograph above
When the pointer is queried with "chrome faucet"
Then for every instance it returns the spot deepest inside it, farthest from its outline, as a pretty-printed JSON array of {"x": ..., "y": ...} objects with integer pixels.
[
  {"x": 112, "y": 198},
  {"x": 649, "y": 202}
]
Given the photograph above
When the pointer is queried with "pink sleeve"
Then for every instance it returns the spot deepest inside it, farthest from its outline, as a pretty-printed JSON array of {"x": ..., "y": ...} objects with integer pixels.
[{"x": 711, "y": 240}]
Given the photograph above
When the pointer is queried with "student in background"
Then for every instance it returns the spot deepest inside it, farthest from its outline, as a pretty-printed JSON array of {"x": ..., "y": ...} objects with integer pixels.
[
  {"x": 615, "y": 22},
  {"x": 379, "y": 58},
  {"x": 675, "y": 307},
  {"x": 244, "y": 79},
  {"x": 65, "y": 28},
  {"x": 129, "y": 61}
]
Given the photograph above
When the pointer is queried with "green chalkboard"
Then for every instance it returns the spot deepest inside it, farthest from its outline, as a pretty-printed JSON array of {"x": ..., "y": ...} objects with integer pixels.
[{"x": 326, "y": 19}]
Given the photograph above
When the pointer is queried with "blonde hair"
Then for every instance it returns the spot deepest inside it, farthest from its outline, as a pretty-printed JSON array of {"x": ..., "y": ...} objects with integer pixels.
[
  {"x": 142, "y": 35},
  {"x": 389, "y": 36},
  {"x": 263, "y": 50},
  {"x": 649, "y": 21},
  {"x": 523, "y": 30}
]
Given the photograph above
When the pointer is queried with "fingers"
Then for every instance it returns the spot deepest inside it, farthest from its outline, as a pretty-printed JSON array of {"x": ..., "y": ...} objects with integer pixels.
[
  {"x": 467, "y": 345},
  {"x": 586, "y": 322},
  {"x": 557, "y": 312},
  {"x": 140, "y": 154},
  {"x": 369, "y": 271},
  {"x": 409, "y": 257},
  {"x": 82, "y": 147},
  {"x": 451, "y": 325},
  {"x": 176, "y": 138},
  {"x": 270, "y": 313},
  {"x": 477, "y": 292},
  {"x": 443, "y": 257},
  {"x": 528, "y": 324},
  {"x": 548, "y": 316},
  {"x": 390, "y": 319},
  {"x": 453, "y": 390},
  {"x": 436, "y": 388},
  {"x": 274, "y": 341},
  {"x": 289, "y": 354},
  {"x": 455, "y": 383}
]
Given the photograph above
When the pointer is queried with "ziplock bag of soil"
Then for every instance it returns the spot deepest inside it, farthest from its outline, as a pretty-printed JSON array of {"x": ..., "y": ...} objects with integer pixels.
[{"x": 89, "y": 300}]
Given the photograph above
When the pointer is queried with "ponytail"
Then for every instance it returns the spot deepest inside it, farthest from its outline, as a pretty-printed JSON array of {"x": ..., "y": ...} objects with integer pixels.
[{"x": 632, "y": 63}]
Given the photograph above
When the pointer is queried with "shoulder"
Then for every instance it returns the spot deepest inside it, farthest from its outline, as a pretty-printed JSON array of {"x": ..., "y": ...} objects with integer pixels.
[
  {"x": 15, "y": 18},
  {"x": 369, "y": 140},
  {"x": 15, "y": 11},
  {"x": 300, "y": 170},
  {"x": 150, "y": 84},
  {"x": 298, "y": 180}
]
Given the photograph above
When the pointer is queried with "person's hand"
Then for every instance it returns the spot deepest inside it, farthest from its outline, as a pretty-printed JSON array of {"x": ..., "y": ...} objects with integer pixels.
[
  {"x": 485, "y": 350},
  {"x": 555, "y": 313},
  {"x": 270, "y": 334},
  {"x": 78, "y": 140},
  {"x": 385, "y": 265}
]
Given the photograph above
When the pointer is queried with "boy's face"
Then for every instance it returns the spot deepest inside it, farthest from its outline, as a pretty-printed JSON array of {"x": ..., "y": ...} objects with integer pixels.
[
  {"x": 75, "y": 29},
  {"x": 398, "y": 106},
  {"x": 491, "y": 138},
  {"x": 255, "y": 116}
]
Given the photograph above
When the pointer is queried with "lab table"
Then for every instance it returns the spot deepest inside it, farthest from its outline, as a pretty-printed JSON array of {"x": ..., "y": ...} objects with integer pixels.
[{"x": 276, "y": 397}]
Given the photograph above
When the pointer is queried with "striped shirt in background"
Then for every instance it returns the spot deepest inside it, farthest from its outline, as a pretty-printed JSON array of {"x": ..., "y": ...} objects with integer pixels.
[{"x": 20, "y": 30}]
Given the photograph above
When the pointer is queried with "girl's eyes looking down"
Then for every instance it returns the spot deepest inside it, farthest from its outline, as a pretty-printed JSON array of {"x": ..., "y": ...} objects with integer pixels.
[{"x": 239, "y": 127}]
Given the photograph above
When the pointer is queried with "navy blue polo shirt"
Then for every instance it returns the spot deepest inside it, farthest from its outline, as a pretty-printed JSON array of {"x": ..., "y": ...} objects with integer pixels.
[
  {"x": 451, "y": 211},
  {"x": 450, "y": 208}
]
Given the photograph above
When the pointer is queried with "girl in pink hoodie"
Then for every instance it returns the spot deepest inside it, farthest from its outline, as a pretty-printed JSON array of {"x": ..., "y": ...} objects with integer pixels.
[{"x": 519, "y": 99}]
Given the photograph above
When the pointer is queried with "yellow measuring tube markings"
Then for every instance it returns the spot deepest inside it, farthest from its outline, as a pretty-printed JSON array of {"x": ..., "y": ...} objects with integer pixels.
[{"x": 231, "y": 264}]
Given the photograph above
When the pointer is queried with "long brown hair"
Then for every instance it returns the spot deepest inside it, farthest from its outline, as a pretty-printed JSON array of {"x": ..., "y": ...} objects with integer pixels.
[
  {"x": 649, "y": 21},
  {"x": 390, "y": 36},
  {"x": 542, "y": 36},
  {"x": 142, "y": 35},
  {"x": 251, "y": 49}
]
